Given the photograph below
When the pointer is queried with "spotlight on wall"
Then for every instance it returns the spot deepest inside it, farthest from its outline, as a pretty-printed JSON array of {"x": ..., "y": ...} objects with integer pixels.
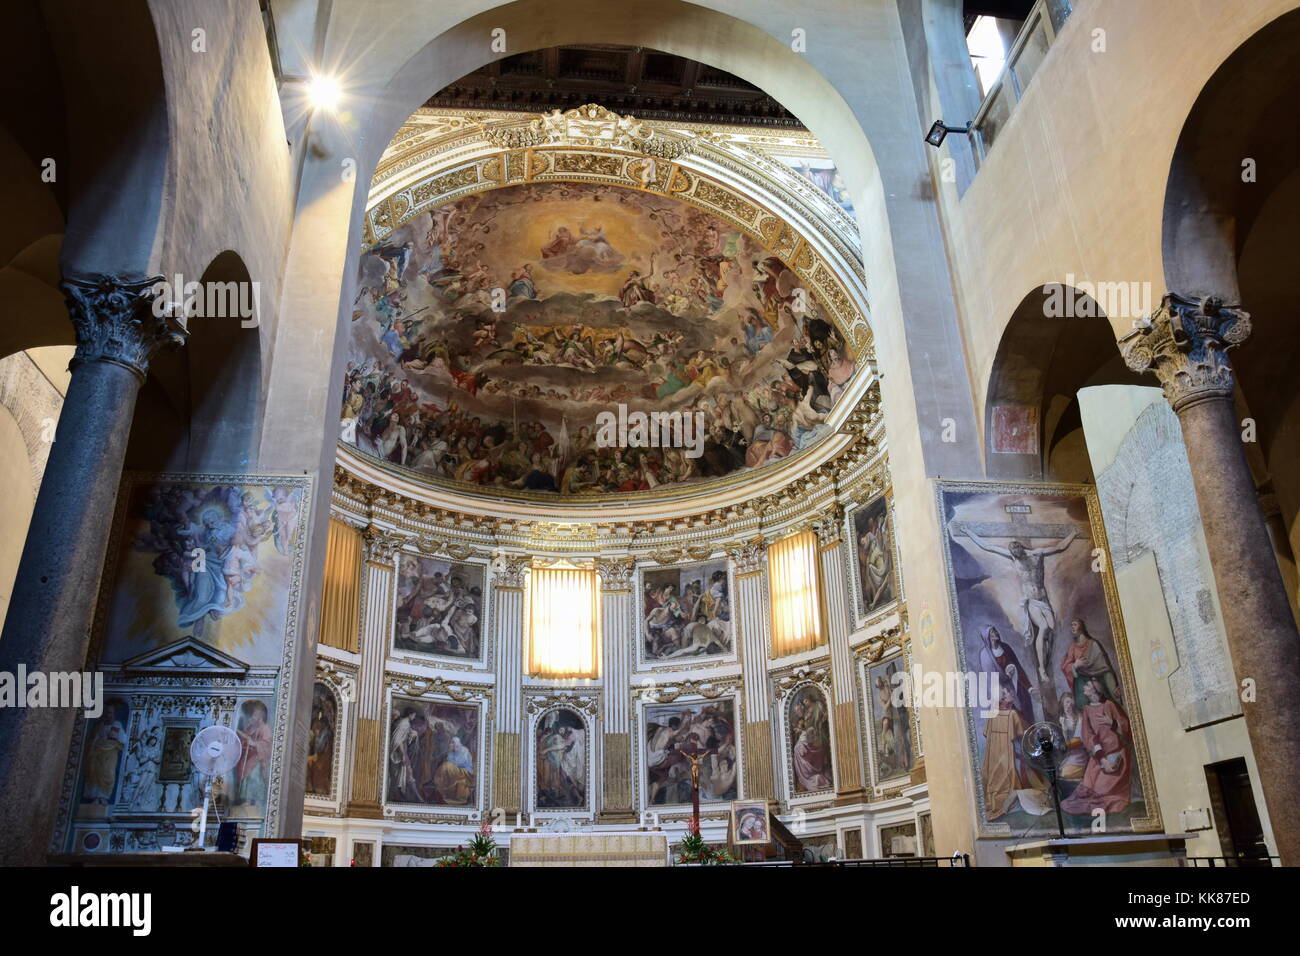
[
  {"x": 940, "y": 129},
  {"x": 324, "y": 92}
]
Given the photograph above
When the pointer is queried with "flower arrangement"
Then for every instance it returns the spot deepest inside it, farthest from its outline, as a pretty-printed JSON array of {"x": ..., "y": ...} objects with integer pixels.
[
  {"x": 695, "y": 850},
  {"x": 478, "y": 853}
]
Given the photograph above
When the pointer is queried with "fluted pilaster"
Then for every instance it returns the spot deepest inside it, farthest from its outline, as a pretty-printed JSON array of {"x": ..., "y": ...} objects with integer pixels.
[
  {"x": 508, "y": 632},
  {"x": 755, "y": 639},
  {"x": 616, "y": 623},
  {"x": 835, "y": 608},
  {"x": 377, "y": 577}
]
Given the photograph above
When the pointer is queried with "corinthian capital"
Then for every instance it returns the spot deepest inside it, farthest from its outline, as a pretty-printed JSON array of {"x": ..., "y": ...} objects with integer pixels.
[
  {"x": 616, "y": 573},
  {"x": 380, "y": 545},
  {"x": 748, "y": 556},
  {"x": 116, "y": 321},
  {"x": 1185, "y": 343}
]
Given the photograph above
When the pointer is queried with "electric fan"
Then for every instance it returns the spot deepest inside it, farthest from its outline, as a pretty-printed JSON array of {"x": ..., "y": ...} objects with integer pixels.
[
  {"x": 214, "y": 751},
  {"x": 1043, "y": 745}
]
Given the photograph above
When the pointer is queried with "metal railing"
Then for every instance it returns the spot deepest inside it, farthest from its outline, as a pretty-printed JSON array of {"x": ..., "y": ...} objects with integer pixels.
[
  {"x": 893, "y": 861},
  {"x": 1231, "y": 861}
]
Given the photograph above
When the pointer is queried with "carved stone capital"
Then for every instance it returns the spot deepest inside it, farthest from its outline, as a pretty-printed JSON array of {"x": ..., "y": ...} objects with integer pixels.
[
  {"x": 616, "y": 573},
  {"x": 116, "y": 321},
  {"x": 749, "y": 556},
  {"x": 1185, "y": 343},
  {"x": 380, "y": 545},
  {"x": 828, "y": 526},
  {"x": 508, "y": 570}
]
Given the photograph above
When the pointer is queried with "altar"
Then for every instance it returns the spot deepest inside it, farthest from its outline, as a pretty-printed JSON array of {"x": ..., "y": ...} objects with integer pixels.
[{"x": 589, "y": 849}]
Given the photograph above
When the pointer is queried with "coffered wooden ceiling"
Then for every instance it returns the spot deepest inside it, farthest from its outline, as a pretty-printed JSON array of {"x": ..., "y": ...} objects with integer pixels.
[{"x": 630, "y": 80}]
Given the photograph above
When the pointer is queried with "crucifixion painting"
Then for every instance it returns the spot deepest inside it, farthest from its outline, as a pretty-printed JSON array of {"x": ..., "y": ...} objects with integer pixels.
[{"x": 1038, "y": 616}]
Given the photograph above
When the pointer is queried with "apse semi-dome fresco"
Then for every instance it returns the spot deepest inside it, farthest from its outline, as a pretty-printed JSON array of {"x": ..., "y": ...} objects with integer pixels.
[{"x": 494, "y": 336}]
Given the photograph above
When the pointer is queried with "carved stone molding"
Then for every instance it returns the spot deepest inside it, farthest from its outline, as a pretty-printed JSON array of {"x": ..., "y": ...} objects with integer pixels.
[
  {"x": 588, "y": 704},
  {"x": 655, "y": 693},
  {"x": 437, "y": 687},
  {"x": 591, "y": 126},
  {"x": 1185, "y": 344},
  {"x": 806, "y": 674},
  {"x": 116, "y": 321},
  {"x": 876, "y": 648}
]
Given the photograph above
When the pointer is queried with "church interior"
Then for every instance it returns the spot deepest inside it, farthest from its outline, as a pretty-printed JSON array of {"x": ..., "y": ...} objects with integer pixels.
[{"x": 596, "y": 433}]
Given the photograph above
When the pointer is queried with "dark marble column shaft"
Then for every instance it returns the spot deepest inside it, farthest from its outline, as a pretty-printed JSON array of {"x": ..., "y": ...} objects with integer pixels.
[
  {"x": 1185, "y": 344},
  {"x": 47, "y": 627}
]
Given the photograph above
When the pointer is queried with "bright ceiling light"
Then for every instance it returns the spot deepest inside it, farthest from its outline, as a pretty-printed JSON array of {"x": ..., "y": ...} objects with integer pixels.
[{"x": 325, "y": 92}]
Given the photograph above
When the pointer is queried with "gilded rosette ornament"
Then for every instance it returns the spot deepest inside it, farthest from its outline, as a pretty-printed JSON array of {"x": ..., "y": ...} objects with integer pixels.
[{"x": 1185, "y": 343}]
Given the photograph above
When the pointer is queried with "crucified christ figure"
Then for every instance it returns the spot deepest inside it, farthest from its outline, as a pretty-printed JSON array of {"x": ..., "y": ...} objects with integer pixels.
[{"x": 1040, "y": 618}]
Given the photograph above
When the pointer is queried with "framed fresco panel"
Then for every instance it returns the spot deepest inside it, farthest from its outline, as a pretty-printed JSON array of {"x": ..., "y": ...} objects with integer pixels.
[
  {"x": 875, "y": 561},
  {"x": 217, "y": 558},
  {"x": 1037, "y": 622},
  {"x": 441, "y": 608},
  {"x": 321, "y": 737},
  {"x": 685, "y": 616},
  {"x": 562, "y": 764},
  {"x": 434, "y": 753},
  {"x": 808, "y": 741},
  {"x": 891, "y": 730},
  {"x": 672, "y": 730}
]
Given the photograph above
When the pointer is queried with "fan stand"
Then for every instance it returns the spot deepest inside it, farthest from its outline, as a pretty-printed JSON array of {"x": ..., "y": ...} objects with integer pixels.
[
  {"x": 1056, "y": 796},
  {"x": 197, "y": 846}
]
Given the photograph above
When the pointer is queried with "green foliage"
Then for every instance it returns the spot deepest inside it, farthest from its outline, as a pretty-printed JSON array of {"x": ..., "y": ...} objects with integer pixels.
[{"x": 478, "y": 853}]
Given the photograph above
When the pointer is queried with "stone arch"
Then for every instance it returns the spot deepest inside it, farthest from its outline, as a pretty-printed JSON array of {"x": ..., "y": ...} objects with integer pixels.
[
  {"x": 684, "y": 29},
  {"x": 33, "y": 148},
  {"x": 119, "y": 137},
  {"x": 225, "y": 374},
  {"x": 1213, "y": 198},
  {"x": 1032, "y": 424},
  {"x": 1231, "y": 204}
]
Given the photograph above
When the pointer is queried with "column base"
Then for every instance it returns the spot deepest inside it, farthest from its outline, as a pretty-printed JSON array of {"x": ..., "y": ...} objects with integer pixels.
[
  {"x": 617, "y": 816},
  {"x": 848, "y": 797},
  {"x": 366, "y": 811}
]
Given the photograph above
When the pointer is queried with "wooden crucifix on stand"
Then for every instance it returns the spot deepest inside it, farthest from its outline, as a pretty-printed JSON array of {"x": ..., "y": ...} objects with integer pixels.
[{"x": 694, "y": 756}]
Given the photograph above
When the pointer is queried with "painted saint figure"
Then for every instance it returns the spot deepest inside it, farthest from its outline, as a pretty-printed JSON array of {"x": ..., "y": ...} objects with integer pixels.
[{"x": 1106, "y": 737}]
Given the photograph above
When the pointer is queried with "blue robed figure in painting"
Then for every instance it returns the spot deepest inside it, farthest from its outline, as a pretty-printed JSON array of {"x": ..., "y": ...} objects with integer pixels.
[{"x": 207, "y": 591}]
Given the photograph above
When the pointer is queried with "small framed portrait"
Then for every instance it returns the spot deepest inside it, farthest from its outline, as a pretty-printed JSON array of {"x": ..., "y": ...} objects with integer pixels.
[{"x": 750, "y": 824}]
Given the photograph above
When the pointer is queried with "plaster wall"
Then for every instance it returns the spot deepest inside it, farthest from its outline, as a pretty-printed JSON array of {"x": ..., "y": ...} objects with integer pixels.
[{"x": 1075, "y": 182}]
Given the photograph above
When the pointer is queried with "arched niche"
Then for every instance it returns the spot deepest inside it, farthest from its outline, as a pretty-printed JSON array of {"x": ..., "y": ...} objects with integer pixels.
[
  {"x": 1059, "y": 340},
  {"x": 200, "y": 407}
]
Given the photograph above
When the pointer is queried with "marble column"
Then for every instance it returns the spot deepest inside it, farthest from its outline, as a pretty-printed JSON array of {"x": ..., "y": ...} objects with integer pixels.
[
  {"x": 508, "y": 627},
  {"x": 50, "y": 613},
  {"x": 616, "y": 627},
  {"x": 836, "y": 611},
  {"x": 1185, "y": 343},
  {"x": 378, "y": 571},
  {"x": 755, "y": 639}
]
